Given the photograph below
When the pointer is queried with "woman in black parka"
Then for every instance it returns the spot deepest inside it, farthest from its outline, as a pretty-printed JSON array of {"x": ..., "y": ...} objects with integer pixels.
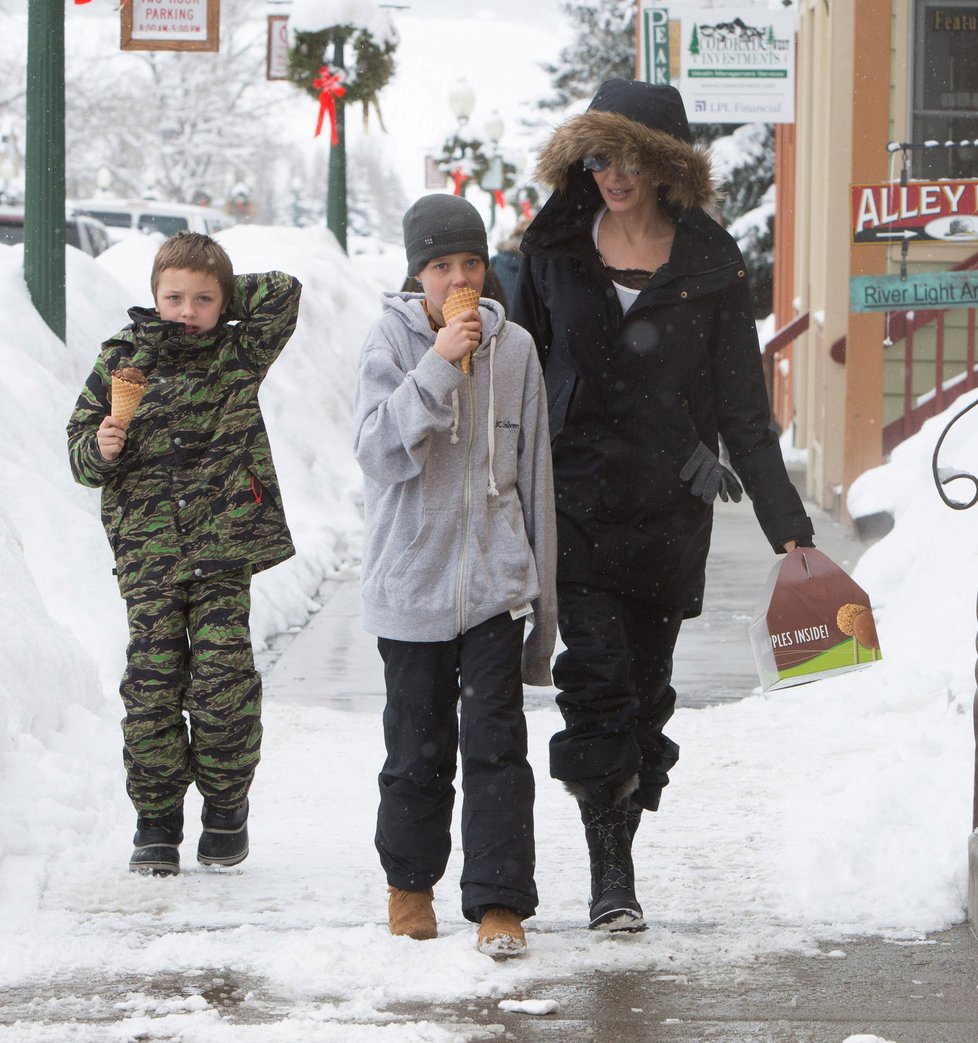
[{"x": 640, "y": 306}]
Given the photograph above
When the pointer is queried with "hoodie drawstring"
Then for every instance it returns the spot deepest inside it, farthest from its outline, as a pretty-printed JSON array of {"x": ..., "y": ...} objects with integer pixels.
[
  {"x": 491, "y": 417},
  {"x": 492, "y": 490},
  {"x": 454, "y": 438}
]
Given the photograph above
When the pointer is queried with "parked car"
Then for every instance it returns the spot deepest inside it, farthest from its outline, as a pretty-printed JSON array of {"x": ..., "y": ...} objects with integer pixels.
[
  {"x": 81, "y": 231},
  {"x": 124, "y": 216}
]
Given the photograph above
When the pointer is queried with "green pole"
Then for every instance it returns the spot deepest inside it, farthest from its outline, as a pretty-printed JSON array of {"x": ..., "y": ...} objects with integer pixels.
[
  {"x": 44, "y": 196},
  {"x": 336, "y": 191}
]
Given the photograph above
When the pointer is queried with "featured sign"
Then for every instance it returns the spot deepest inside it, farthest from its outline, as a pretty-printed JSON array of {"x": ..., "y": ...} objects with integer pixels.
[
  {"x": 171, "y": 25},
  {"x": 932, "y": 290},
  {"x": 735, "y": 61},
  {"x": 935, "y": 211},
  {"x": 277, "y": 51}
]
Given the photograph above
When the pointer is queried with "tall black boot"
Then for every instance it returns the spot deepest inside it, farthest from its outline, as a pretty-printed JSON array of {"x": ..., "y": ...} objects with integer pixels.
[
  {"x": 614, "y": 906},
  {"x": 633, "y": 816}
]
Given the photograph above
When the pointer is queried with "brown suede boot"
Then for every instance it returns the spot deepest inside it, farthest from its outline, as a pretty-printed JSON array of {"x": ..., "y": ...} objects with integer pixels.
[
  {"x": 410, "y": 913},
  {"x": 501, "y": 933}
]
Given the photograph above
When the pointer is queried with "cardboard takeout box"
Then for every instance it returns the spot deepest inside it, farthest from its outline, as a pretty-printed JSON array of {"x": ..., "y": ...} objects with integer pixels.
[{"x": 813, "y": 621}]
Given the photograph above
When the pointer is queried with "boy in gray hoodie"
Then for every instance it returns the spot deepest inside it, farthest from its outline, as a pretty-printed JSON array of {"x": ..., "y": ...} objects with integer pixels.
[{"x": 459, "y": 557}]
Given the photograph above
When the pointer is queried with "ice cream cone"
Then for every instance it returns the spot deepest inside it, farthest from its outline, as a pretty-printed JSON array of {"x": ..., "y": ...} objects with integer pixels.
[
  {"x": 126, "y": 395},
  {"x": 461, "y": 300}
]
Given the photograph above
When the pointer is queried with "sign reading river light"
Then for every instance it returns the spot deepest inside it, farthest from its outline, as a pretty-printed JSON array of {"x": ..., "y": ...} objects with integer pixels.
[{"x": 931, "y": 290}]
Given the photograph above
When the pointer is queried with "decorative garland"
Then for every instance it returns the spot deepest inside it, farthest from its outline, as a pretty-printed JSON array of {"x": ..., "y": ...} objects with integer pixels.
[{"x": 366, "y": 72}]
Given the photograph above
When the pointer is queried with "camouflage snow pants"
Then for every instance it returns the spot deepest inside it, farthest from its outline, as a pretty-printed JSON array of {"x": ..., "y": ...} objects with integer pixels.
[{"x": 190, "y": 653}]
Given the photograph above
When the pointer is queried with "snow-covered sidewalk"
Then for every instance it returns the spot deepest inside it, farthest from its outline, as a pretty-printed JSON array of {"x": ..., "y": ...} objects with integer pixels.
[
  {"x": 768, "y": 842},
  {"x": 795, "y": 818}
]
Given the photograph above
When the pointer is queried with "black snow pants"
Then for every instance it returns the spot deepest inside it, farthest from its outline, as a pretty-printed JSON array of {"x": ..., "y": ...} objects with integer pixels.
[
  {"x": 615, "y": 696},
  {"x": 462, "y": 695}
]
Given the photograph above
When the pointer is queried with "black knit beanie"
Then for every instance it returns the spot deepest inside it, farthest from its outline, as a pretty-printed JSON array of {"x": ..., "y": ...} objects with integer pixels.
[{"x": 441, "y": 224}]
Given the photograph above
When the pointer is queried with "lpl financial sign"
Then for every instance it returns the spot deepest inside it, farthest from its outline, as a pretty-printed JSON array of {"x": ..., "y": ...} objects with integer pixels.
[{"x": 732, "y": 62}]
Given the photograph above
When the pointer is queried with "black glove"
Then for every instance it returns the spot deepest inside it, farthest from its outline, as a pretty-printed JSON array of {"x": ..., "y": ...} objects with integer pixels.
[{"x": 710, "y": 477}]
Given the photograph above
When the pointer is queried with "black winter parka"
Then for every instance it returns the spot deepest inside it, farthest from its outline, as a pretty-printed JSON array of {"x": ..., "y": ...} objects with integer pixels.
[{"x": 632, "y": 395}]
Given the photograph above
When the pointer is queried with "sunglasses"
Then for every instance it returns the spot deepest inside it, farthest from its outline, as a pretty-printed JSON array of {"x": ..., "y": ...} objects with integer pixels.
[{"x": 598, "y": 164}]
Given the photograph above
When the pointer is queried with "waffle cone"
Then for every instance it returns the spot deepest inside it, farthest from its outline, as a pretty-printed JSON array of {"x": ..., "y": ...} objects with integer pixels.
[
  {"x": 126, "y": 396},
  {"x": 461, "y": 300}
]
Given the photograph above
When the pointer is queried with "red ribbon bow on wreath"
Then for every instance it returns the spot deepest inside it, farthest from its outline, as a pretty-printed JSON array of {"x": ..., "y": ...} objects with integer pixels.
[
  {"x": 459, "y": 178},
  {"x": 331, "y": 87}
]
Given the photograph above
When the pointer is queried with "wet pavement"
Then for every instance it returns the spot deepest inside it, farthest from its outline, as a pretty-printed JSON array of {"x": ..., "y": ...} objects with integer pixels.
[{"x": 921, "y": 992}]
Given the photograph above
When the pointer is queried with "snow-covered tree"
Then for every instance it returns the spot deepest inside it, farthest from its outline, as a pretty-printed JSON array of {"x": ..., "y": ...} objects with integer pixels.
[
  {"x": 13, "y": 92},
  {"x": 603, "y": 47},
  {"x": 375, "y": 196},
  {"x": 179, "y": 121}
]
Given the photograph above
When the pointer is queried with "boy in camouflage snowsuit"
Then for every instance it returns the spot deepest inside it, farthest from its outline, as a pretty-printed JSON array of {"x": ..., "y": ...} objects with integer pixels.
[{"x": 191, "y": 507}]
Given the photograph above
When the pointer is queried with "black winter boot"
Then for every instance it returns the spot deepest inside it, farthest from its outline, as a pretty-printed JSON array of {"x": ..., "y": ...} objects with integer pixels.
[
  {"x": 633, "y": 816},
  {"x": 614, "y": 906},
  {"x": 224, "y": 839},
  {"x": 157, "y": 844}
]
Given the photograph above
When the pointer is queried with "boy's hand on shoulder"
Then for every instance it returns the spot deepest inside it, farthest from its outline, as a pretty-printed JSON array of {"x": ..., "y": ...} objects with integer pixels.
[
  {"x": 111, "y": 437},
  {"x": 460, "y": 337}
]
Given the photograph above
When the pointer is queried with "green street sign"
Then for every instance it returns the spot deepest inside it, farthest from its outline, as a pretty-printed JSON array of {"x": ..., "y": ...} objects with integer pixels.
[
  {"x": 932, "y": 290},
  {"x": 654, "y": 41}
]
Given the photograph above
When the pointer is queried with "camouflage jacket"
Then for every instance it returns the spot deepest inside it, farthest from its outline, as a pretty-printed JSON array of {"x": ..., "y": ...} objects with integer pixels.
[{"x": 194, "y": 492}]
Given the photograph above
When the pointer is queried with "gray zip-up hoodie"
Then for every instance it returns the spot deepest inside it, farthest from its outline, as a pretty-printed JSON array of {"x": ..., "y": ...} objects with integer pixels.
[{"x": 457, "y": 483}]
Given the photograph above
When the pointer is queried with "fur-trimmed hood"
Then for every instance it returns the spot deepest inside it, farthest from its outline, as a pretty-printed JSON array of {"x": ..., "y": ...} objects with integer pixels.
[{"x": 641, "y": 126}]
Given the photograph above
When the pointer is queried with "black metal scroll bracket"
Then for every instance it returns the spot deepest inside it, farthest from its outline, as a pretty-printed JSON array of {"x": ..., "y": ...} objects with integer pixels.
[
  {"x": 943, "y": 477},
  {"x": 940, "y": 480}
]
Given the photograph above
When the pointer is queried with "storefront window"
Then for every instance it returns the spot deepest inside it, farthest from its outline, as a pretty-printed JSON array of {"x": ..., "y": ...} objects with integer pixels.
[{"x": 946, "y": 87}]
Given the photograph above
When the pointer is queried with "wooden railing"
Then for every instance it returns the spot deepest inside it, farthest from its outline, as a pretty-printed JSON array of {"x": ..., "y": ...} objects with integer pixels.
[{"x": 917, "y": 408}]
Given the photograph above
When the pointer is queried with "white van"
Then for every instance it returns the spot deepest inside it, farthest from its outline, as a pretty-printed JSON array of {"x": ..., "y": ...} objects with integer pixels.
[
  {"x": 124, "y": 216},
  {"x": 82, "y": 231}
]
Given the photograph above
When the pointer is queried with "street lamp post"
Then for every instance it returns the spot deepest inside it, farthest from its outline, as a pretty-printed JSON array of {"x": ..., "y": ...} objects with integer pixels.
[
  {"x": 461, "y": 100},
  {"x": 336, "y": 208},
  {"x": 494, "y": 179},
  {"x": 296, "y": 201}
]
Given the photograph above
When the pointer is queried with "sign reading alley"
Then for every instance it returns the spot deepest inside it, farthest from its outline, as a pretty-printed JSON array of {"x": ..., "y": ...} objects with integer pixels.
[{"x": 935, "y": 211}]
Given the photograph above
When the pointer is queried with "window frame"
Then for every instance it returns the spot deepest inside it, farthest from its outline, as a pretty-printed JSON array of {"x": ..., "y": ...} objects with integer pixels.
[{"x": 937, "y": 163}]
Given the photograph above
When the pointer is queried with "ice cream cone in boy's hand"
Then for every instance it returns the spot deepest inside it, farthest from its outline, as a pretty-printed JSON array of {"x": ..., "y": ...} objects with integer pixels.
[
  {"x": 461, "y": 300},
  {"x": 128, "y": 387}
]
